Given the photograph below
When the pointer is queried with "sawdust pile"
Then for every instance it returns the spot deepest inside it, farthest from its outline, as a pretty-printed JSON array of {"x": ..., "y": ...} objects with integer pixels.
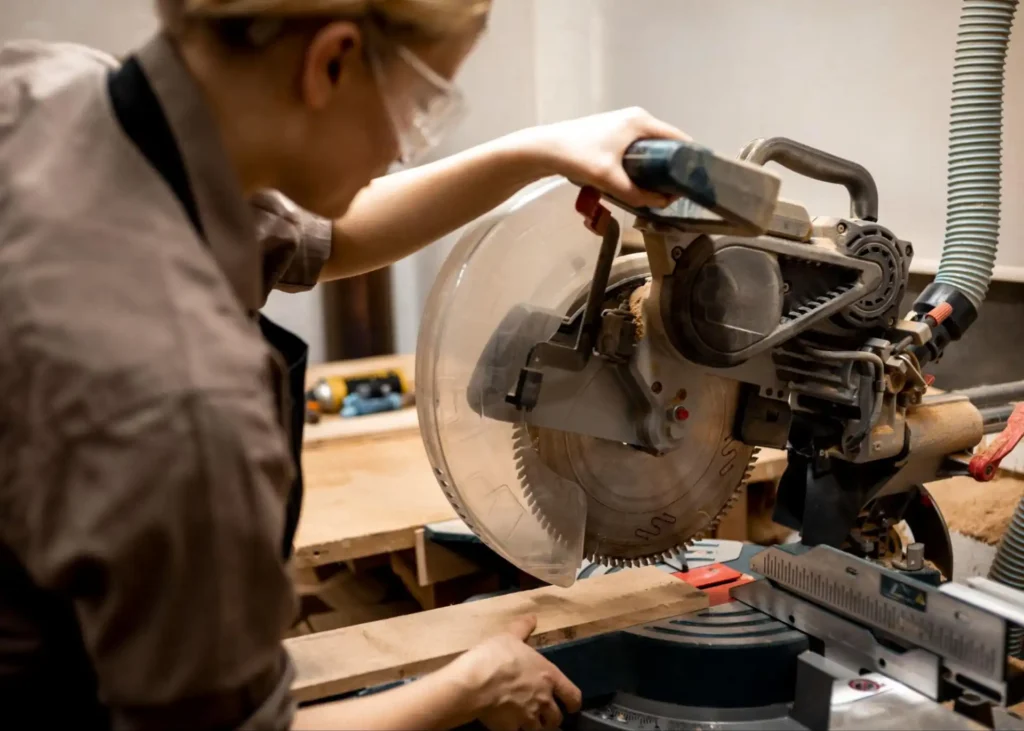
[
  {"x": 636, "y": 307},
  {"x": 979, "y": 510}
]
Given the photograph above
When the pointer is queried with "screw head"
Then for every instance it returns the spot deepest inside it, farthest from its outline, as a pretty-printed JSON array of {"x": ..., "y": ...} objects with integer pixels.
[
  {"x": 656, "y": 387},
  {"x": 677, "y": 253},
  {"x": 864, "y": 685},
  {"x": 841, "y": 228}
]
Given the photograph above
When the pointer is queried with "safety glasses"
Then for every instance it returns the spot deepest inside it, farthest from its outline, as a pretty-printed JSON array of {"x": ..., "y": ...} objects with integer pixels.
[{"x": 422, "y": 105}]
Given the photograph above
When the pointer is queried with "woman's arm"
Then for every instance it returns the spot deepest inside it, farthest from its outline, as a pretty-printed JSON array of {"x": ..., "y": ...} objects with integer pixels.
[
  {"x": 436, "y": 701},
  {"x": 501, "y": 682},
  {"x": 400, "y": 214}
]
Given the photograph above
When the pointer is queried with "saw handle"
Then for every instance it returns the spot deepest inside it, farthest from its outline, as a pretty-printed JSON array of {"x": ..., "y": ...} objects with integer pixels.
[
  {"x": 819, "y": 165},
  {"x": 655, "y": 165},
  {"x": 738, "y": 191}
]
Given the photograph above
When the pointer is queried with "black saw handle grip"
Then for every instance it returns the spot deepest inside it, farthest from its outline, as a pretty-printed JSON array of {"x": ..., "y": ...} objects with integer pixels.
[
  {"x": 819, "y": 165},
  {"x": 653, "y": 164},
  {"x": 737, "y": 191}
]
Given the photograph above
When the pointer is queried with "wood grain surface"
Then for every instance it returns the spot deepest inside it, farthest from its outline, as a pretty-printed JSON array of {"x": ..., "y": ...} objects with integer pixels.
[
  {"x": 364, "y": 497},
  {"x": 370, "y": 494},
  {"x": 331, "y": 663}
]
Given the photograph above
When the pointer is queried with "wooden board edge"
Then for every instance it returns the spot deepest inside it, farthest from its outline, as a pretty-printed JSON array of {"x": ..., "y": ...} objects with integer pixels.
[
  {"x": 330, "y": 688},
  {"x": 436, "y": 564},
  {"x": 353, "y": 548}
]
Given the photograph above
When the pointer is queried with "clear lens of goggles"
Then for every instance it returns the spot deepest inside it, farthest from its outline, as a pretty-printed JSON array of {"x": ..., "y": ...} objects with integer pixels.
[{"x": 422, "y": 105}]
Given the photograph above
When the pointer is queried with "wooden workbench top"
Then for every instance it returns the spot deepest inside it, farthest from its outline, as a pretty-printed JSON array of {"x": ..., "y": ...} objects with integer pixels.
[{"x": 367, "y": 496}]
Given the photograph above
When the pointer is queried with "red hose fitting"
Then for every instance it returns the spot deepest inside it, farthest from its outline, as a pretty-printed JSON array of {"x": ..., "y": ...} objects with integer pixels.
[{"x": 941, "y": 313}]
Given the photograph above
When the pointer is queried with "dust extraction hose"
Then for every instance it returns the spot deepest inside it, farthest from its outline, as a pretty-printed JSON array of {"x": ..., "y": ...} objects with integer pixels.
[
  {"x": 1008, "y": 568},
  {"x": 973, "y": 202},
  {"x": 975, "y": 147}
]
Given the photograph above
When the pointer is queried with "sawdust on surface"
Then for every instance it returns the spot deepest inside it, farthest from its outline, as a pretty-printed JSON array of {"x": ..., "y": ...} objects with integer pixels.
[
  {"x": 979, "y": 510},
  {"x": 636, "y": 307}
]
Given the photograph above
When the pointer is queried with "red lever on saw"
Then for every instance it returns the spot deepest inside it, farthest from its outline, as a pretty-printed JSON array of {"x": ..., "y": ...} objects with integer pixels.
[
  {"x": 588, "y": 203},
  {"x": 983, "y": 465}
]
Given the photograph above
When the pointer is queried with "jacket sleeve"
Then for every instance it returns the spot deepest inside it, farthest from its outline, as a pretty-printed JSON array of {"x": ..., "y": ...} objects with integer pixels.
[
  {"x": 165, "y": 535},
  {"x": 296, "y": 244}
]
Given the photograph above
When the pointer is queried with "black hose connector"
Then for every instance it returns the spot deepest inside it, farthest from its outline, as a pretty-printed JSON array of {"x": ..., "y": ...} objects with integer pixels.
[{"x": 957, "y": 313}]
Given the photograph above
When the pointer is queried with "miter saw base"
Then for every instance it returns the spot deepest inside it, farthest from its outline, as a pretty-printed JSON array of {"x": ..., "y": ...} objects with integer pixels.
[{"x": 735, "y": 667}]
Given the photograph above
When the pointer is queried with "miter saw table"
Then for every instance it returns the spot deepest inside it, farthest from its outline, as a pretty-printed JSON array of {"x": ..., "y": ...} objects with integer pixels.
[{"x": 819, "y": 640}]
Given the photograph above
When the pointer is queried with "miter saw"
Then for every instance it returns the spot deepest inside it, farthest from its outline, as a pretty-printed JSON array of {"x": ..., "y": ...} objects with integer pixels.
[
  {"x": 578, "y": 404},
  {"x": 581, "y": 405}
]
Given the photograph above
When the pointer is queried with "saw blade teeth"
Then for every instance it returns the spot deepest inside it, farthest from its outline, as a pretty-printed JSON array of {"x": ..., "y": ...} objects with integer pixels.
[
  {"x": 544, "y": 463},
  {"x": 618, "y": 562}
]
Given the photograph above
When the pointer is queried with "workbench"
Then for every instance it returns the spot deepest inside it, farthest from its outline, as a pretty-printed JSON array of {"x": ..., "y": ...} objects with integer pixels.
[
  {"x": 370, "y": 494},
  {"x": 370, "y": 489}
]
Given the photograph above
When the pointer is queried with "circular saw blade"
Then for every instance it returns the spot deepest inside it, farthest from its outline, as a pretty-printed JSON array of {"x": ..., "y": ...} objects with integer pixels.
[
  {"x": 640, "y": 507},
  {"x": 545, "y": 499}
]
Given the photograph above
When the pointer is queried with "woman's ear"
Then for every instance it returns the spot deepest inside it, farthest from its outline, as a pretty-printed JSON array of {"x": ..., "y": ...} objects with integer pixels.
[{"x": 331, "y": 58}]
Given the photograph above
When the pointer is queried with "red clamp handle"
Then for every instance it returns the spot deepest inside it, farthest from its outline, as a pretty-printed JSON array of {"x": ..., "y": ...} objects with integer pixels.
[
  {"x": 597, "y": 216},
  {"x": 984, "y": 465}
]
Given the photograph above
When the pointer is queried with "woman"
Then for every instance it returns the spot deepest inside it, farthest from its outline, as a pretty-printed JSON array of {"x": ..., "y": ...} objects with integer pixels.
[{"x": 146, "y": 473}]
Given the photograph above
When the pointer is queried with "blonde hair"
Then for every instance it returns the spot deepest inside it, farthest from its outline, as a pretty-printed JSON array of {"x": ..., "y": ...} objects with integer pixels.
[{"x": 427, "y": 19}]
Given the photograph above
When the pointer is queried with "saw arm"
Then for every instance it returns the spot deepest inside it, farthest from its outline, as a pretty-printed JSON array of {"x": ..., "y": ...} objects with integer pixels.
[{"x": 615, "y": 404}]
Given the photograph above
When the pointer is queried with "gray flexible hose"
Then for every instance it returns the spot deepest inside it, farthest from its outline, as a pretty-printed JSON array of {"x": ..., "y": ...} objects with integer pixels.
[
  {"x": 1008, "y": 568},
  {"x": 975, "y": 147},
  {"x": 973, "y": 199}
]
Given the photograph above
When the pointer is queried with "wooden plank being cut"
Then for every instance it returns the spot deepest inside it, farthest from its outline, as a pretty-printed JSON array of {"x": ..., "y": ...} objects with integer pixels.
[{"x": 331, "y": 663}]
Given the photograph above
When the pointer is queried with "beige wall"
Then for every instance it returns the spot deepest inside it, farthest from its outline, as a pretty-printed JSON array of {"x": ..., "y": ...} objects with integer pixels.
[
  {"x": 112, "y": 25},
  {"x": 866, "y": 79}
]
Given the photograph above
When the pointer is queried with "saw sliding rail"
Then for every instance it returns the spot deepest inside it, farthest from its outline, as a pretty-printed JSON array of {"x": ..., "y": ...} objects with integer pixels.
[{"x": 996, "y": 403}]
